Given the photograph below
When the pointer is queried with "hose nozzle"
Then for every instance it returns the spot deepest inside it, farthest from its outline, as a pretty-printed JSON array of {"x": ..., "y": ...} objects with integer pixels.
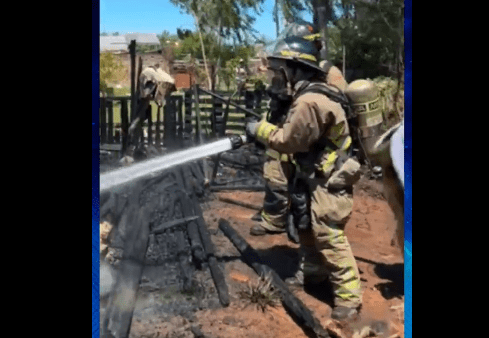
[{"x": 237, "y": 141}]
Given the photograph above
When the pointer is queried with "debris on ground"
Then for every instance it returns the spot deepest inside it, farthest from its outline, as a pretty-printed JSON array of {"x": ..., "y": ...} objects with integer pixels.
[{"x": 172, "y": 305}]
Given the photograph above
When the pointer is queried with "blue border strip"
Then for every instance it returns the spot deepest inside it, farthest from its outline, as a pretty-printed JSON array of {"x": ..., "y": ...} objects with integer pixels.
[
  {"x": 408, "y": 146},
  {"x": 95, "y": 171}
]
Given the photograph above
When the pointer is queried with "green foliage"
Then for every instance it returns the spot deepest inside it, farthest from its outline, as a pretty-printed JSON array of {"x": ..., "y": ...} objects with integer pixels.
[
  {"x": 290, "y": 10},
  {"x": 232, "y": 19},
  {"x": 258, "y": 81},
  {"x": 373, "y": 33},
  {"x": 391, "y": 94},
  {"x": 111, "y": 70}
]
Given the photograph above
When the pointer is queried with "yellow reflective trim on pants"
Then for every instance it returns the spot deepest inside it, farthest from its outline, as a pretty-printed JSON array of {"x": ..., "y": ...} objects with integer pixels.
[
  {"x": 349, "y": 290},
  {"x": 264, "y": 130}
]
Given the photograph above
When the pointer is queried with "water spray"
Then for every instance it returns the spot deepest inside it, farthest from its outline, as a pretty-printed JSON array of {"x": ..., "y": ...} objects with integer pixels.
[{"x": 154, "y": 166}]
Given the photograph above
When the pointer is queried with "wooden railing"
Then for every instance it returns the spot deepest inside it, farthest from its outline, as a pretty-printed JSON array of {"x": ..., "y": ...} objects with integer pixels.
[{"x": 176, "y": 121}]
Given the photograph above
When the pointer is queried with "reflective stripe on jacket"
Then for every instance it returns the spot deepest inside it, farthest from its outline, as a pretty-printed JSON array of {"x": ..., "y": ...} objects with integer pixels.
[{"x": 311, "y": 117}]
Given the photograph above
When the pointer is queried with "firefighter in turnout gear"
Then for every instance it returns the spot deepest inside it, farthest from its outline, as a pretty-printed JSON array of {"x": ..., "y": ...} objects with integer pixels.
[
  {"x": 277, "y": 167},
  {"x": 316, "y": 138}
]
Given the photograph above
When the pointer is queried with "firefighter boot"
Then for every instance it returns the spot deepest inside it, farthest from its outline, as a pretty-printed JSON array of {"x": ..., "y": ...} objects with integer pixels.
[{"x": 343, "y": 313}]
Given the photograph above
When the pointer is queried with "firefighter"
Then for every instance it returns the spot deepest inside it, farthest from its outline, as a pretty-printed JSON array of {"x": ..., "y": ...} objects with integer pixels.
[
  {"x": 316, "y": 137},
  {"x": 273, "y": 217}
]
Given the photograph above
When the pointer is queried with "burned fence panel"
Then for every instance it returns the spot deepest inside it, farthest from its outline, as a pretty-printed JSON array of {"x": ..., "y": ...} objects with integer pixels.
[
  {"x": 173, "y": 255},
  {"x": 170, "y": 123},
  {"x": 188, "y": 114}
]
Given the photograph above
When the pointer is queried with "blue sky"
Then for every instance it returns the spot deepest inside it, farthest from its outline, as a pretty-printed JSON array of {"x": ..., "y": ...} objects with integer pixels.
[{"x": 155, "y": 16}]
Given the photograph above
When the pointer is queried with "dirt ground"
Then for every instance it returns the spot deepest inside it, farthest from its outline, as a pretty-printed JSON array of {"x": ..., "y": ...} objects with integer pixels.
[{"x": 370, "y": 231}]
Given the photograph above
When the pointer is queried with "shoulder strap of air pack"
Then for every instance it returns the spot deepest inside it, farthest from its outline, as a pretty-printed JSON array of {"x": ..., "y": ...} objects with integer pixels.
[
  {"x": 338, "y": 97},
  {"x": 321, "y": 88}
]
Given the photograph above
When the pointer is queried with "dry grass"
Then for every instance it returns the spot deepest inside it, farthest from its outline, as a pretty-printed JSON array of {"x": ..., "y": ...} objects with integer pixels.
[{"x": 260, "y": 293}]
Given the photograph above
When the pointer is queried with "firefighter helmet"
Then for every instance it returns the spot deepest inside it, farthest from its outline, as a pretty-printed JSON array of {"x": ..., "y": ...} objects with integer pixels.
[{"x": 298, "y": 50}]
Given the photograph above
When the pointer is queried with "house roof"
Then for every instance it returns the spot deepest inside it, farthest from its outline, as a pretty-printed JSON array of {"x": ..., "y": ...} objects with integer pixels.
[
  {"x": 121, "y": 42},
  {"x": 143, "y": 38},
  {"x": 113, "y": 43}
]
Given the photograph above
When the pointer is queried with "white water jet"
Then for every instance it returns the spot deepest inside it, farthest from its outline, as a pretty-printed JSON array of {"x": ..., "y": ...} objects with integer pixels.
[{"x": 156, "y": 165}]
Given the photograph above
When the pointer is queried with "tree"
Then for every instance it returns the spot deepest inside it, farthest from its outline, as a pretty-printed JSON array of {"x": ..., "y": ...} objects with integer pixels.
[
  {"x": 290, "y": 10},
  {"x": 111, "y": 69},
  {"x": 229, "y": 19},
  {"x": 373, "y": 33}
]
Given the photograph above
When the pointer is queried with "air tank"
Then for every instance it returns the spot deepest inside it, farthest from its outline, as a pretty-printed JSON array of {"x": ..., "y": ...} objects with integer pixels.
[{"x": 367, "y": 106}]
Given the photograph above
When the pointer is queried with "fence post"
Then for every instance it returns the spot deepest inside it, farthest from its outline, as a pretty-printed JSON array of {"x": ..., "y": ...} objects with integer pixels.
[
  {"x": 188, "y": 114},
  {"x": 103, "y": 121},
  {"x": 249, "y": 98},
  {"x": 124, "y": 124},
  {"x": 110, "y": 123},
  {"x": 158, "y": 127},
  {"x": 132, "y": 52},
  {"x": 217, "y": 118},
  {"x": 197, "y": 114},
  {"x": 149, "y": 114},
  {"x": 180, "y": 120},
  {"x": 169, "y": 123}
]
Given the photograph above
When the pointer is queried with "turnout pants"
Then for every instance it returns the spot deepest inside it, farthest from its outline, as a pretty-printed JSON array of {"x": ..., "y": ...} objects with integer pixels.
[
  {"x": 325, "y": 250},
  {"x": 276, "y": 202}
]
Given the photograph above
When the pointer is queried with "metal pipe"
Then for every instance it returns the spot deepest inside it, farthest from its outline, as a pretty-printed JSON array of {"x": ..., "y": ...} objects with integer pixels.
[{"x": 234, "y": 104}]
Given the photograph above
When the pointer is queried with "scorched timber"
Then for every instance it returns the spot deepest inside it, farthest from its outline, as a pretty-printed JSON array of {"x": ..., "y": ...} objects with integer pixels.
[
  {"x": 122, "y": 300},
  {"x": 301, "y": 314},
  {"x": 208, "y": 246}
]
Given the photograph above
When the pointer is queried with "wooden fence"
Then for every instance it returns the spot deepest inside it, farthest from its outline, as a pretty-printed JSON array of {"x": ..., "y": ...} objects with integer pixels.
[{"x": 169, "y": 126}]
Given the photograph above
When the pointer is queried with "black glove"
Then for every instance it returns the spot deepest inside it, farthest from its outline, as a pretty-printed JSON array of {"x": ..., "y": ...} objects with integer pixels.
[
  {"x": 236, "y": 141},
  {"x": 251, "y": 129}
]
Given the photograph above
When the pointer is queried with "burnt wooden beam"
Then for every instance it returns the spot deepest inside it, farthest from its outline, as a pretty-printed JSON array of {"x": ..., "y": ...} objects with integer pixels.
[
  {"x": 301, "y": 314},
  {"x": 173, "y": 223},
  {"x": 192, "y": 227},
  {"x": 240, "y": 203},
  {"x": 192, "y": 207},
  {"x": 216, "y": 272},
  {"x": 238, "y": 187},
  {"x": 122, "y": 300}
]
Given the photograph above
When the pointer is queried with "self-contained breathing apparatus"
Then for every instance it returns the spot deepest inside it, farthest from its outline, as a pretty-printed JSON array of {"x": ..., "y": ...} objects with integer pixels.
[
  {"x": 347, "y": 164},
  {"x": 355, "y": 101}
]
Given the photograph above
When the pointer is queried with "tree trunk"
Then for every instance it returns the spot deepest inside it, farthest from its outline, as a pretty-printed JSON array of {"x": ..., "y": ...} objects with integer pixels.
[
  {"x": 203, "y": 51},
  {"x": 276, "y": 18},
  {"x": 321, "y": 14}
]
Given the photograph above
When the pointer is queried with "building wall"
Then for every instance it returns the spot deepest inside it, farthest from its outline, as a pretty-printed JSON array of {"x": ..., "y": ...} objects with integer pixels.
[{"x": 148, "y": 59}]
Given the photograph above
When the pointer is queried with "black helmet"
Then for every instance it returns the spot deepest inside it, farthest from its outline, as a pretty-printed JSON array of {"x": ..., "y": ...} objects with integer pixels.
[{"x": 297, "y": 49}]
